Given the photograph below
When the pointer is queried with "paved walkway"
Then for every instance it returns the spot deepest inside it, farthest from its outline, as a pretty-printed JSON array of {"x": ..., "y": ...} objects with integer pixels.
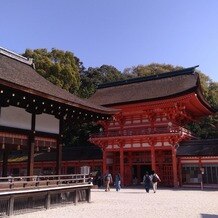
[{"x": 136, "y": 203}]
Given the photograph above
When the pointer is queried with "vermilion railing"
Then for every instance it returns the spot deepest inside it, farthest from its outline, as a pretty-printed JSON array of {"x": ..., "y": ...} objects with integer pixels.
[{"x": 142, "y": 131}]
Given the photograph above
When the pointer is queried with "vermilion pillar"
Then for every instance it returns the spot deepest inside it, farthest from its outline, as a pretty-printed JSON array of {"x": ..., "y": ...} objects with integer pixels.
[
  {"x": 122, "y": 163},
  {"x": 153, "y": 165},
  {"x": 104, "y": 160},
  {"x": 174, "y": 162}
]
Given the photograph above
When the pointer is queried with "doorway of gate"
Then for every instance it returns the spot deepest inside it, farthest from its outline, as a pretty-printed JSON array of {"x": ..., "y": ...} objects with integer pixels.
[{"x": 138, "y": 171}]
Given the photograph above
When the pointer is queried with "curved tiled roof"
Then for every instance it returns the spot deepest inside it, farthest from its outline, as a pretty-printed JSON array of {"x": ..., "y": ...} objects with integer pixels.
[
  {"x": 147, "y": 88},
  {"x": 18, "y": 72}
]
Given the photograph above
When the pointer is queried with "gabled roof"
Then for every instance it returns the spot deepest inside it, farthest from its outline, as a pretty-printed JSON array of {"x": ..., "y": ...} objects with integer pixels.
[
  {"x": 17, "y": 72},
  {"x": 150, "y": 88},
  {"x": 198, "y": 148}
]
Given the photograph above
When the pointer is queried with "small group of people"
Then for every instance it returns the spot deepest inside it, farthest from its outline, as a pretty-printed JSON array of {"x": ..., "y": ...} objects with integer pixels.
[
  {"x": 109, "y": 180},
  {"x": 151, "y": 180}
]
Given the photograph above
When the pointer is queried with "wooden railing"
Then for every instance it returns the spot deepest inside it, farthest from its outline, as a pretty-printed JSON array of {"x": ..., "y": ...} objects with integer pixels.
[
  {"x": 27, "y": 182},
  {"x": 30, "y": 193}
]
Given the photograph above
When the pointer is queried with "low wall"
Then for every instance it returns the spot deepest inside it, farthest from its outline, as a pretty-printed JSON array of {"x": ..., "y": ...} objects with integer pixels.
[{"x": 24, "y": 201}]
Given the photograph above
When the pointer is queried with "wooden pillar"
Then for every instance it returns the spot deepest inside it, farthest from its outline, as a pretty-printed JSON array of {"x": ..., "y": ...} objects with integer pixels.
[
  {"x": 31, "y": 145},
  {"x": 122, "y": 163},
  {"x": 130, "y": 164},
  {"x": 5, "y": 163},
  {"x": 180, "y": 172},
  {"x": 30, "y": 166},
  {"x": 153, "y": 165},
  {"x": 58, "y": 158},
  {"x": 59, "y": 148},
  {"x": 76, "y": 197},
  {"x": 138, "y": 173},
  {"x": 10, "y": 209},
  {"x": 88, "y": 195},
  {"x": 175, "y": 173},
  {"x": 104, "y": 160},
  {"x": 48, "y": 200}
]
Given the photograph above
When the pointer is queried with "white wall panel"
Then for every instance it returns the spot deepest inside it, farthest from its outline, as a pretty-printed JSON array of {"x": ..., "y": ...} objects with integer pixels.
[
  {"x": 15, "y": 117},
  {"x": 47, "y": 123}
]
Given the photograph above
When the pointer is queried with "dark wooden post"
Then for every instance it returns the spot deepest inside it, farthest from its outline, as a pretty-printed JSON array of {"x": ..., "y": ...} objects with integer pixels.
[
  {"x": 58, "y": 159},
  {"x": 5, "y": 163},
  {"x": 30, "y": 158},
  {"x": 59, "y": 148},
  {"x": 48, "y": 200},
  {"x": 88, "y": 195},
  {"x": 76, "y": 197},
  {"x": 31, "y": 145},
  {"x": 10, "y": 206}
]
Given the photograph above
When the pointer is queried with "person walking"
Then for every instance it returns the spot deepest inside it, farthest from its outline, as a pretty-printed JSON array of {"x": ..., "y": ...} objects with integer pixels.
[
  {"x": 117, "y": 182},
  {"x": 108, "y": 180},
  {"x": 155, "y": 179},
  {"x": 147, "y": 182}
]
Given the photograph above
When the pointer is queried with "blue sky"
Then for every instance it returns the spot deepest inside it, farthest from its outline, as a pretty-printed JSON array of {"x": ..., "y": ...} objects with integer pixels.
[{"x": 122, "y": 33}]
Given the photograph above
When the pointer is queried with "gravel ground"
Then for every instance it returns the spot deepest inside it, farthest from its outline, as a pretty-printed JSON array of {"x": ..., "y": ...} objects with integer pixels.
[{"x": 134, "y": 203}]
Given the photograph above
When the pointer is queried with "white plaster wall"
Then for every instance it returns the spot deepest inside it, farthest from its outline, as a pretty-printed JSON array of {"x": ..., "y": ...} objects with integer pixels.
[
  {"x": 209, "y": 161},
  {"x": 166, "y": 144},
  {"x": 189, "y": 161},
  {"x": 15, "y": 117},
  {"x": 136, "y": 145},
  {"x": 127, "y": 146},
  {"x": 159, "y": 144},
  {"x": 47, "y": 123}
]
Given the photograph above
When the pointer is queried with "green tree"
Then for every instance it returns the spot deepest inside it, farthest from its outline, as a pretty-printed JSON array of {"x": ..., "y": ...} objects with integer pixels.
[
  {"x": 147, "y": 70},
  {"x": 92, "y": 77},
  {"x": 207, "y": 127},
  {"x": 61, "y": 68}
]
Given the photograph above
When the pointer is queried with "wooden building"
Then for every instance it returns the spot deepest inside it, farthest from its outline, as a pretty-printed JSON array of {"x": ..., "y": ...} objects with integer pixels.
[
  {"x": 33, "y": 111},
  {"x": 147, "y": 132},
  {"x": 198, "y": 162},
  {"x": 73, "y": 159}
]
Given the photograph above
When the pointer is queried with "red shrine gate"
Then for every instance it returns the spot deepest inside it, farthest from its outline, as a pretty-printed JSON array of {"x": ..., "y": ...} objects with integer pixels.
[
  {"x": 145, "y": 135},
  {"x": 143, "y": 138}
]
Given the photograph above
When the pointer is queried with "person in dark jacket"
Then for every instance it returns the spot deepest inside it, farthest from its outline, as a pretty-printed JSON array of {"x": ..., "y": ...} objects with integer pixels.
[
  {"x": 147, "y": 182},
  {"x": 117, "y": 182}
]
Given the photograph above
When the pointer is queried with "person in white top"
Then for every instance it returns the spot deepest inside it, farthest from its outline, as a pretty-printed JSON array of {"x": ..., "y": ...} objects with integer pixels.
[{"x": 155, "y": 179}]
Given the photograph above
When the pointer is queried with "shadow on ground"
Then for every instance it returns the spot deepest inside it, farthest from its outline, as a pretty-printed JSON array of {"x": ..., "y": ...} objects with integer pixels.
[{"x": 203, "y": 215}]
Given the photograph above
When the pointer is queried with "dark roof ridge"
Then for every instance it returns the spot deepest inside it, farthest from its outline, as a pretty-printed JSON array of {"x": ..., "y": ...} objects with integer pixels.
[
  {"x": 187, "y": 71},
  {"x": 15, "y": 56}
]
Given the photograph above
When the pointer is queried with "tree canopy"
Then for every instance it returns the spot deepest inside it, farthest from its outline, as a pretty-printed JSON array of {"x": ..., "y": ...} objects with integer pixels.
[
  {"x": 61, "y": 68},
  {"x": 92, "y": 77}
]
